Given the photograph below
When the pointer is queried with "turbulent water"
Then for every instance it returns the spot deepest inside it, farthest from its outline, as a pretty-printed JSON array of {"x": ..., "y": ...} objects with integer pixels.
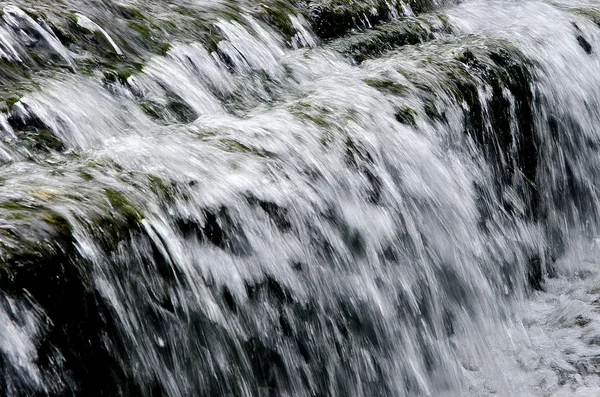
[{"x": 299, "y": 198}]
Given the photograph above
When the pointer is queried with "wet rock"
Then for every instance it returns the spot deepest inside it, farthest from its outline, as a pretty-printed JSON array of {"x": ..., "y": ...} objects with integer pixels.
[
  {"x": 581, "y": 40},
  {"x": 375, "y": 42},
  {"x": 535, "y": 274},
  {"x": 587, "y": 47},
  {"x": 333, "y": 18},
  {"x": 492, "y": 82},
  {"x": 216, "y": 227},
  {"x": 31, "y": 233},
  {"x": 279, "y": 215},
  {"x": 42, "y": 266},
  {"x": 99, "y": 33},
  {"x": 39, "y": 40}
]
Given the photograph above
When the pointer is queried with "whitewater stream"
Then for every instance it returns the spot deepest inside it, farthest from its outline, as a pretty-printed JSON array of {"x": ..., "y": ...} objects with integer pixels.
[{"x": 303, "y": 198}]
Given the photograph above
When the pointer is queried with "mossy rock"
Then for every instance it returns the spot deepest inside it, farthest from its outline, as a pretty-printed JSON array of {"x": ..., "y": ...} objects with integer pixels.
[
  {"x": 460, "y": 69},
  {"x": 592, "y": 14},
  {"x": 139, "y": 33},
  {"x": 406, "y": 115},
  {"x": 334, "y": 18},
  {"x": 375, "y": 42},
  {"x": 172, "y": 110},
  {"x": 32, "y": 236},
  {"x": 490, "y": 84},
  {"x": 40, "y": 263},
  {"x": 319, "y": 115},
  {"x": 387, "y": 86}
]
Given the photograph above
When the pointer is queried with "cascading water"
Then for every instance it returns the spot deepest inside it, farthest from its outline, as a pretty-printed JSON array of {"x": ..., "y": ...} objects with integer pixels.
[{"x": 301, "y": 198}]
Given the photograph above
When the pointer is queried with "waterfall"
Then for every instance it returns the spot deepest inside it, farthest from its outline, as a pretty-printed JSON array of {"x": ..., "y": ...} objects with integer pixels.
[{"x": 299, "y": 198}]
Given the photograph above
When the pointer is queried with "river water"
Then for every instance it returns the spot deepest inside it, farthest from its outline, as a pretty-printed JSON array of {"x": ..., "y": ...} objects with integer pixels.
[{"x": 299, "y": 198}]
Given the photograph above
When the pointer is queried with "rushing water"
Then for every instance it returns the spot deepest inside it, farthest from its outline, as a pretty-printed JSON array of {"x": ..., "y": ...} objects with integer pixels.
[{"x": 334, "y": 198}]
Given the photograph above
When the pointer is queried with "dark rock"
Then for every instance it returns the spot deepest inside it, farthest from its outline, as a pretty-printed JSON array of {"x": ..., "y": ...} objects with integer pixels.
[
  {"x": 334, "y": 18},
  {"x": 587, "y": 47},
  {"x": 375, "y": 42}
]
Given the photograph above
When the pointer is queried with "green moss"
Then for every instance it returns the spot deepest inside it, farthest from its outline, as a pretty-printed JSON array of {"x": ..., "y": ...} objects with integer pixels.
[
  {"x": 444, "y": 20},
  {"x": 36, "y": 15},
  {"x": 131, "y": 13},
  {"x": 121, "y": 76},
  {"x": 153, "y": 37},
  {"x": 186, "y": 11},
  {"x": 387, "y": 86},
  {"x": 59, "y": 222},
  {"x": 317, "y": 114},
  {"x": 141, "y": 28},
  {"x": 121, "y": 205},
  {"x": 182, "y": 112},
  {"x": 32, "y": 237},
  {"x": 15, "y": 205},
  {"x": 590, "y": 13},
  {"x": 232, "y": 145},
  {"x": 173, "y": 110},
  {"x": 406, "y": 115},
  {"x": 164, "y": 48},
  {"x": 152, "y": 109},
  {"x": 42, "y": 139},
  {"x": 162, "y": 188},
  {"x": 277, "y": 15},
  {"x": 11, "y": 101},
  {"x": 5, "y": 271},
  {"x": 86, "y": 175}
]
